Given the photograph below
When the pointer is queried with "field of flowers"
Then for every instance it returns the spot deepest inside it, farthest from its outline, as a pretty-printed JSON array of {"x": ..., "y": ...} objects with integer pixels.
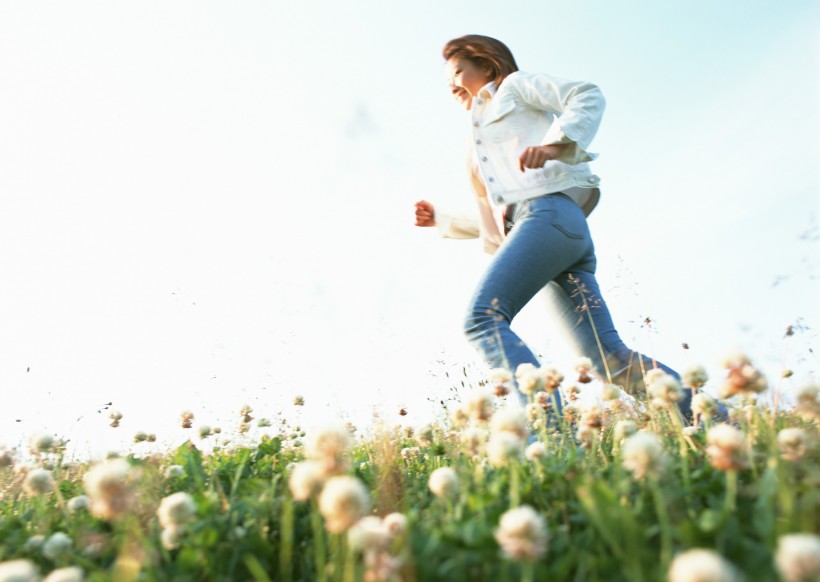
[{"x": 619, "y": 488}]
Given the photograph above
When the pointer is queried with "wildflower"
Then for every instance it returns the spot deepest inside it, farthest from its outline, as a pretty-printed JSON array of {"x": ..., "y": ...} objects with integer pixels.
[
  {"x": 535, "y": 411},
  {"x": 18, "y": 571},
  {"x": 171, "y": 537},
  {"x": 459, "y": 417},
  {"x": 500, "y": 379},
  {"x": 701, "y": 565},
  {"x": 694, "y": 377},
  {"x": 610, "y": 392},
  {"x": 572, "y": 412},
  {"x": 592, "y": 416},
  {"x": 512, "y": 420},
  {"x": 530, "y": 378},
  {"x": 741, "y": 377},
  {"x": 396, "y": 523},
  {"x": 665, "y": 389},
  {"x": 40, "y": 443},
  {"x": 504, "y": 447},
  {"x": 245, "y": 413},
  {"x": 572, "y": 392},
  {"x": 299, "y": 401},
  {"x": 652, "y": 375},
  {"x": 474, "y": 439},
  {"x": 108, "y": 487},
  {"x": 187, "y": 418},
  {"x": 38, "y": 481},
  {"x": 792, "y": 443},
  {"x": 343, "y": 501},
  {"x": 115, "y": 417},
  {"x": 78, "y": 503},
  {"x": 70, "y": 574},
  {"x": 543, "y": 399},
  {"x": 443, "y": 482},
  {"x": 522, "y": 534},
  {"x": 369, "y": 533},
  {"x": 176, "y": 510},
  {"x": 410, "y": 452},
  {"x": 643, "y": 455},
  {"x": 204, "y": 431},
  {"x": 56, "y": 546},
  {"x": 425, "y": 435},
  {"x": 536, "y": 451},
  {"x": 624, "y": 429},
  {"x": 798, "y": 557},
  {"x": 552, "y": 378},
  {"x": 217, "y": 430},
  {"x": 807, "y": 393},
  {"x": 173, "y": 471},
  {"x": 330, "y": 447},
  {"x": 726, "y": 448},
  {"x": 479, "y": 406},
  {"x": 583, "y": 366},
  {"x": 703, "y": 404}
]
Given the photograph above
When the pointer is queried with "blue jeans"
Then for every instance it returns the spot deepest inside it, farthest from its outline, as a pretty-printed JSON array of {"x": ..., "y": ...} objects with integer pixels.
[{"x": 550, "y": 248}]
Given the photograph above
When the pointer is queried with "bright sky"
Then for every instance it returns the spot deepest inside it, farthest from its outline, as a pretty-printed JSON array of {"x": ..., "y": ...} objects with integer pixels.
[{"x": 209, "y": 204}]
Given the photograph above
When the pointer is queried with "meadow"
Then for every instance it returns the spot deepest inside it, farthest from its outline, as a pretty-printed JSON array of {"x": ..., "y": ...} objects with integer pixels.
[{"x": 618, "y": 487}]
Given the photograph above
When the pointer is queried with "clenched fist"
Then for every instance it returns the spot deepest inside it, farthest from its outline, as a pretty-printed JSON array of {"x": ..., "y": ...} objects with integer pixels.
[
  {"x": 425, "y": 215},
  {"x": 537, "y": 156}
]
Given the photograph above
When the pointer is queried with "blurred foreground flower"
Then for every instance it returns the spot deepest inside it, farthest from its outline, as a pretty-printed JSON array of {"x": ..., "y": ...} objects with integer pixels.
[
  {"x": 530, "y": 378},
  {"x": 56, "y": 546},
  {"x": 109, "y": 488},
  {"x": 343, "y": 501},
  {"x": 510, "y": 419},
  {"x": 694, "y": 377},
  {"x": 40, "y": 443},
  {"x": 187, "y": 418},
  {"x": 504, "y": 447},
  {"x": 701, "y": 565},
  {"x": 18, "y": 571},
  {"x": 643, "y": 455},
  {"x": 330, "y": 446},
  {"x": 726, "y": 448},
  {"x": 176, "y": 510},
  {"x": 792, "y": 443},
  {"x": 522, "y": 534},
  {"x": 70, "y": 574},
  {"x": 38, "y": 481},
  {"x": 798, "y": 557},
  {"x": 741, "y": 377},
  {"x": 306, "y": 480},
  {"x": 443, "y": 482}
]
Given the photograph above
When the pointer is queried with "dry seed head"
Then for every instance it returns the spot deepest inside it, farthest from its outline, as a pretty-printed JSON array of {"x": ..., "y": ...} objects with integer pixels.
[
  {"x": 552, "y": 378},
  {"x": 186, "y": 417}
]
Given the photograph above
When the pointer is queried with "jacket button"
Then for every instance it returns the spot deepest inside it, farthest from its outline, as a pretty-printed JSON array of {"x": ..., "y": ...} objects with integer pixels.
[
  {"x": 478, "y": 142},
  {"x": 483, "y": 158},
  {"x": 475, "y": 124},
  {"x": 499, "y": 198}
]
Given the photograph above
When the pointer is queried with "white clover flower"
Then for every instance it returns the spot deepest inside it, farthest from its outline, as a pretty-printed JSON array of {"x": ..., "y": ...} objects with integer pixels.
[
  {"x": 479, "y": 406},
  {"x": 582, "y": 365},
  {"x": 703, "y": 404},
  {"x": 410, "y": 452},
  {"x": 530, "y": 378},
  {"x": 176, "y": 510},
  {"x": 522, "y": 534},
  {"x": 552, "y": 378},
  {"x": 330, "y": 446},
  {"x": 726, "y": 448},
  {"x": 78, "y": 503},
  {"x": 396, "y": 523},
  {"x": 444, "y": 482},
  {"x": 171, "y": 537},
  {"x": 610, "y": 392},
  {"x": 510, "y": 419},
  {"x": 701, "y": 565},
  {"x": 425, "y": 435},
  {"x": 34, "y": 543},
  {"x": 624, "y": 429},
  {"x": 643, "y": 455},
  {"x": 504, "y": 447},
  {"x": 798, "y": 557},
  {"x": 500, "y": 376},
  {"x": 40, "y": 443},
  {"x": 69, "y": 574},
  {"x": 56, "y": 546},
  {"x": 109, "y": 488},
  {"x": 369, "y": 533},
  {"x": 665, "y": 388},
  {"x": 459, "y": 417},
  {"x": 592, "y": 416},
  {"x": 343, "y": 501},
  {"x": 653, "y": 374},
  {"x": 174, "y": 471},
  {"x": 38, "y": 481},
  {"x": 474, "y": 439},
  {"x": 204, "y": 431},
  {"x": 807, "y": 393},
  {"x": 741, "y": 377},
  {"x": 694, "y": 377},
  {"x": 792, "y": 443},
  {"x": 536, "y": 451},
  {"x": 19, "y": 571}
]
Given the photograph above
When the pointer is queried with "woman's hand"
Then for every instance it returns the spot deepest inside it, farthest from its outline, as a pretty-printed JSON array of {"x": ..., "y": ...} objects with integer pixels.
[
  {"x": 425, "y": 215},
  {"x": 537, "y": 156}
]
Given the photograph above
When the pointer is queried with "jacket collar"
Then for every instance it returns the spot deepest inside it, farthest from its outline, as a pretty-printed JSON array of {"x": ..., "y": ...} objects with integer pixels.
[{"x": 488, "y": 90}]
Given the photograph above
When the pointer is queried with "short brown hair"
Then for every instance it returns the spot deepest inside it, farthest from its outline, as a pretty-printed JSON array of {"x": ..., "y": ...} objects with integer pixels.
[{"x": 484, "y": 52}]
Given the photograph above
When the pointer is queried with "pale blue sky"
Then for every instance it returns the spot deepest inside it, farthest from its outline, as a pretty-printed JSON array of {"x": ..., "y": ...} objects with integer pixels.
[{"x": 208, "y": 203}]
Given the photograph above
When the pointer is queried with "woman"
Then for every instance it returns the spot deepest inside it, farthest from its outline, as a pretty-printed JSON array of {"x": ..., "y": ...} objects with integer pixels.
[{"x": 534, "y": 188}]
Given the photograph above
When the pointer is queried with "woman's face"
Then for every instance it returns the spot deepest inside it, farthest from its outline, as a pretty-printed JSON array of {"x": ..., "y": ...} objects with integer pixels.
[{"x": 463, "y": 75}]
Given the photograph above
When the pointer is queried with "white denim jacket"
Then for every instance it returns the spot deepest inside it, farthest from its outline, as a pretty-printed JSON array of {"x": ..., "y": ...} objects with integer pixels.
[{"x": 528, "y": 109}]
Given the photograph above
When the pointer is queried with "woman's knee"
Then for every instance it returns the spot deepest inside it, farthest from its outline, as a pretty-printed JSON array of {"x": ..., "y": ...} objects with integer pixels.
[{"x": 483, "y": 319}]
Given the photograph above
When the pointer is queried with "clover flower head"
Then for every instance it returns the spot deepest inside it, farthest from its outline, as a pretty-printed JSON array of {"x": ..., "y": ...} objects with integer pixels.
[
  {"x": 665, "y": 388},
  {"x": 510, "y": 419},
  {"x": 793, "y": 443},
  {"x": 176, "y": 510},
  {"x": 425, "y": 435},
  {"x": 504, "y": 447},
  {"x": 41, "y": 443},
  {"x": 204, "y": 431},
  {"x": 78, "y": 503},
  {"x": 536, "y": 451},
  {"x": 396, "y": 523},
  {"x": 582, "y": 365},
  {"x": 306, "y": 480},
  {"x": 703, "y": 404},
  {"x": 19, "y": 571},
  {"x": 343, "y": 501},
  {"x": 459, "y": 417},
  {"x": 68, "y": 574},
  {"x": 610, "y": 392},
  {"x": 798, "y": 557},
  {"x": 34, "y": 543},
  {"x": 522, "y": 534},
  {"x": 56, "y": 546},
  {"x": 479, "y": 405},
  {"x": 701, "y": 565},
  {"x": 444, "y": 482},
  {"x": 726, "y": 448},
  {"x": 592, "y": 416},
  {"x": 530, "y": 378},
  {"x": 624, "y": 429},
  {"x": 299, "y": 400},
  {"x": 694, "y": 377},
  {"x": 741, "y": 377},
  {"x": 171, "y": 537},
  {"x": 552, "y": 378},
  {"x": 807, "y": 393},
  {"x": 474, "y": 439},
  {"x": 108, "y": 486},
  {"x": 38, "y": 481},
  {"x": 369, "y": 533},
  {"x": 330, "y": 446},
  {"x": 187, "y": 418},
  {"x": 643, "y": 455}
]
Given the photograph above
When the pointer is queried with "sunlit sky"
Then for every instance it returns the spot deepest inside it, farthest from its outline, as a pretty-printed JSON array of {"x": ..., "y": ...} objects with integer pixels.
[{"x": 207, "y": 204}]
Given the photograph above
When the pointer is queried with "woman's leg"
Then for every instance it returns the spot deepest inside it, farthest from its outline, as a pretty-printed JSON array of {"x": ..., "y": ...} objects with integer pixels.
[{"x": 550, "y": 237}]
